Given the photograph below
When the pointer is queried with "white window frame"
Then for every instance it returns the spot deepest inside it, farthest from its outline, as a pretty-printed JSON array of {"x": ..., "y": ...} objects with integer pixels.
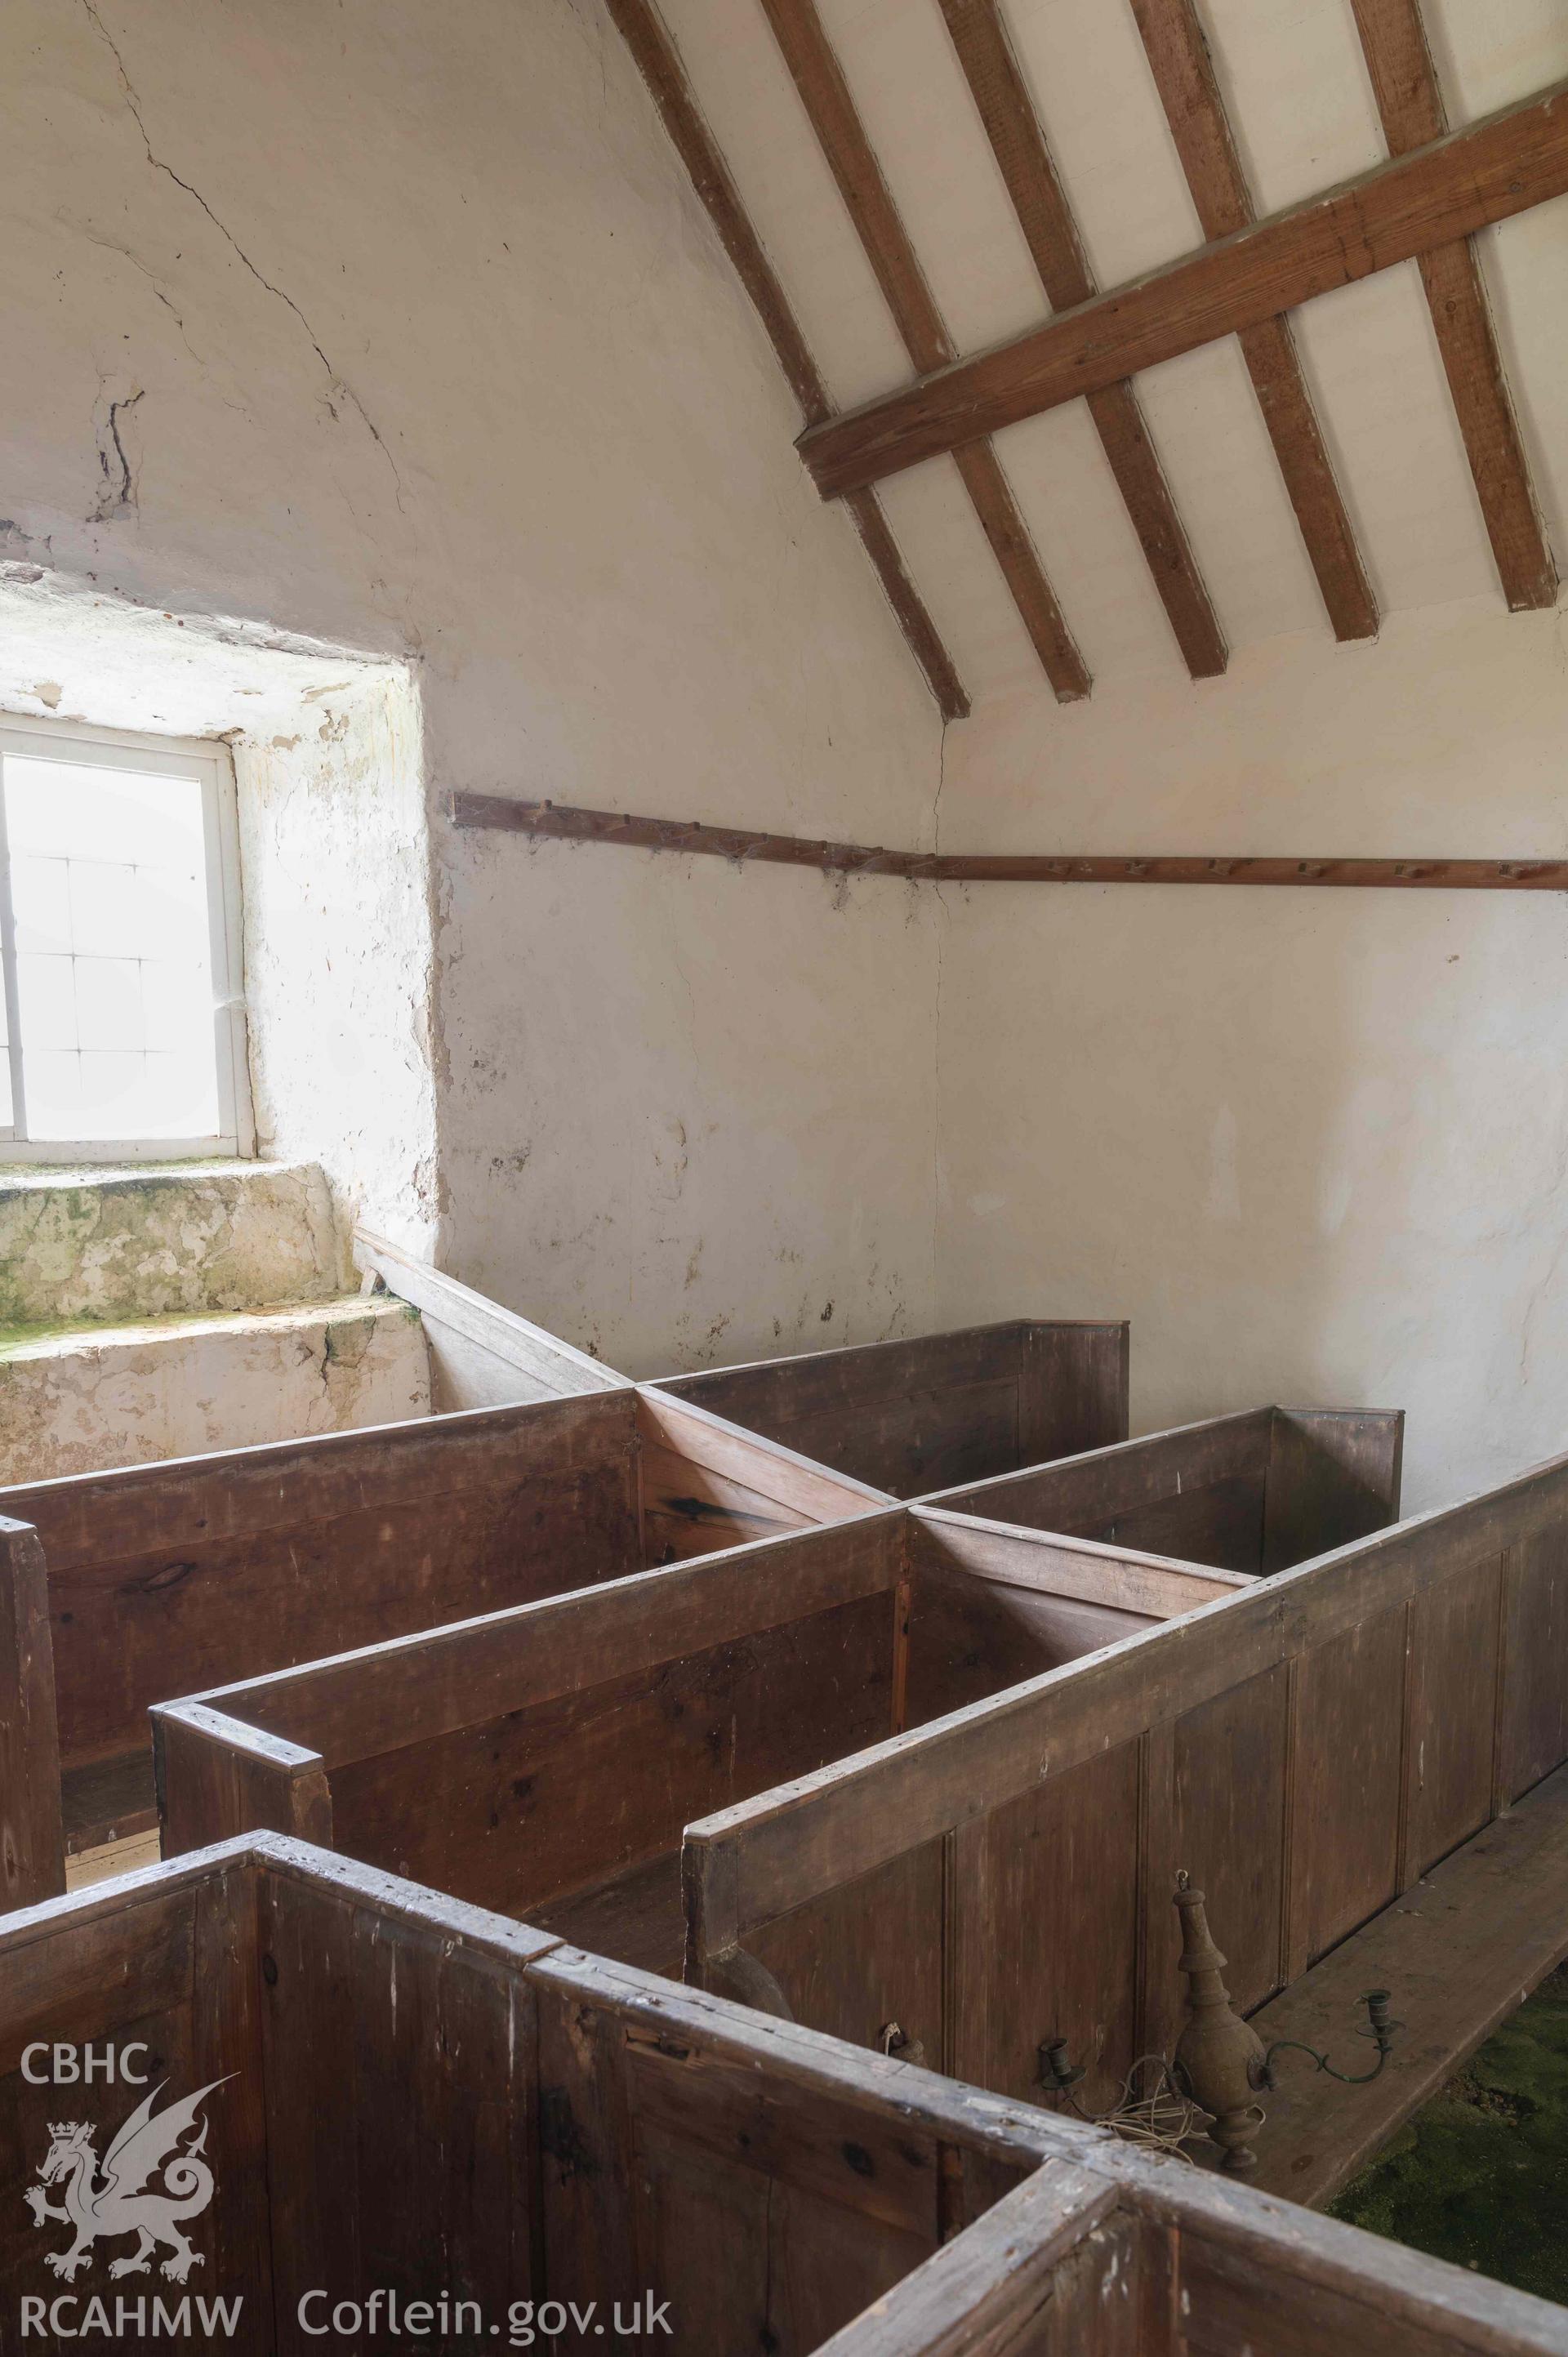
[{"x": 208, "y": 764}]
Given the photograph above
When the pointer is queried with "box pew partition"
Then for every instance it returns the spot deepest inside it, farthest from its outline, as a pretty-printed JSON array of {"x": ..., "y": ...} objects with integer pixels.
[
  {"x": 406, "y": 2120},
  {"x": 544, "y": 1760},
  {"x": 1252, "y": 1492},
  {"x": 916, "y": 1415},
  {"x": 1306, "y": 1748},
  {"x": 123, "y": 1589},
  {"x": 401, "y": 2095},
  {"x": 1105, "y": 2253}
]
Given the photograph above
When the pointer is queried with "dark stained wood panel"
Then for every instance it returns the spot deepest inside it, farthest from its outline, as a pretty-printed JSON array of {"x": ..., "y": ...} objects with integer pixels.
[
  {"x": 216, "y": 1567},
  {"x": 1018, "y": 144},
  {"x": 517, "y": 1810},
  {"x": 1183, "y": 75},
  {"x": 868, "y": 1954},
  {"x": 1489, "y": 171},
  {"x": 1227, "y": 1818},
  {"x": 1449, "y": 1742},
  {"x": 1334, "y": 1477},
  {"x": 1534, "y": 1734},
  {"x": 1347, "y": 1742},
  {"x": 1410, "y": 103},
  {"x": 1064, "y": 1860}
]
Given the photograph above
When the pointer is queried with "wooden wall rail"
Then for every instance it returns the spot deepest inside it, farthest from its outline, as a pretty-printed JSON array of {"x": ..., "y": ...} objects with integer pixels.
[
  {"x": 1489, "y": 171},
  {"x": 563, "y": 822}
]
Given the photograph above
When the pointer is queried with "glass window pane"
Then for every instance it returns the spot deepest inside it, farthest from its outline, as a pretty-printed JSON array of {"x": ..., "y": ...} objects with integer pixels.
[
  {"x": 114, "y": 966},
  {"x": 40, "y": 899},
  {"x": 46, "y": 1001}
]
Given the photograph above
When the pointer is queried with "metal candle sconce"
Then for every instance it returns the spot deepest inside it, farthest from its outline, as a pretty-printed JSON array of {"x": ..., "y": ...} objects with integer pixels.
[{"x": 1221, "y": 2064}]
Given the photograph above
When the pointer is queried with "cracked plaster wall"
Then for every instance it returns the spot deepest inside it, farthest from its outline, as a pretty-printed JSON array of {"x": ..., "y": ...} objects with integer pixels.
[{"x": 399, "y": 328}]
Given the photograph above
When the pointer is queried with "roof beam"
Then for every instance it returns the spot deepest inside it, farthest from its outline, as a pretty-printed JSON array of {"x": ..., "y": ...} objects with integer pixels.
[
  {"x": 842, "y": 137},
  {"x": 1410, "y": 102},
  {"x": 1486, "y": 172},
  {"x": 1018, "y": 142},
  {"x": 659, "y": 62},
  {"x": 1184, "y": 75}
]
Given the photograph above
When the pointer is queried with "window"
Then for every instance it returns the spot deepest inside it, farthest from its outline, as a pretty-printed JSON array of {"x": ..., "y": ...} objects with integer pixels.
[{"x": 121, "y": 1023}]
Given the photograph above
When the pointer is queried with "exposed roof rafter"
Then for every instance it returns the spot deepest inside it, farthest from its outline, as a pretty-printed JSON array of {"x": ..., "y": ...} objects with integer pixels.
[
  {"x": 1184, "y": 75},
  {"x": 841, "y": 134},
  {"x": 1486, "y": 172},
  {"x": 1410, "y": 102},
  {"x": 660, "y": 64},
  {"x": 1018, "y": 142}
]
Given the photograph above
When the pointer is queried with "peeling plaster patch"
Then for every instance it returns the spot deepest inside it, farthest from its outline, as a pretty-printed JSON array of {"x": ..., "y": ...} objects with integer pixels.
[{"x": 49, "y": 690}]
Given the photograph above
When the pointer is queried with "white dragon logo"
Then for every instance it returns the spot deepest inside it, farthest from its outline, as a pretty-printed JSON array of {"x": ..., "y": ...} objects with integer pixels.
[{"x": 121, "y": 2203}]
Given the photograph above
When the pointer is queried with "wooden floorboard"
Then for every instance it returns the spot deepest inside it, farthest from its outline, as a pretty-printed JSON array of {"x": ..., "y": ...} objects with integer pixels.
[
  {"x": 1460, "y": 1951},
  {"x": 109, "y": 1801}
]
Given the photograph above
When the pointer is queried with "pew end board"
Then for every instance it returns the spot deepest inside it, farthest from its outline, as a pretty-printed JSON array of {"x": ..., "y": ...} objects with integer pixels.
[
  {"x": 169, "y": 1578},
  {"x": 920, "y": 1415}
]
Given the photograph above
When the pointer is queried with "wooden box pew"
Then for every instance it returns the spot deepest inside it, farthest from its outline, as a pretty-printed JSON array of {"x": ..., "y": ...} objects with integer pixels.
[
  {"x": 1307, "y": 1748},
  {"x": 408, "y": 2120},
  {"x": 1251, "y": 1493},
  {"x": 118, "y": 1589},
  {"x": 943, "y": 1408},
  {"x": 403, "y": 2096},
  {"x": 544, "y": 1760},
  {"x": 1104, "y": 2252}
]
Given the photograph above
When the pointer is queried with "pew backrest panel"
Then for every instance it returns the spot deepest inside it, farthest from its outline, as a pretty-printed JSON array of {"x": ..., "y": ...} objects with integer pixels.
[
  {"x": 1253, "y": 1493},
  {"x": 914, "y": 1416}
]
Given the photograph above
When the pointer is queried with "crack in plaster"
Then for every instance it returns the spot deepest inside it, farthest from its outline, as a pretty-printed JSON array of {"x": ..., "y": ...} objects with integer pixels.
[
  {"x": 338, "y": 383},
  {"x": 116, "y": 499}
]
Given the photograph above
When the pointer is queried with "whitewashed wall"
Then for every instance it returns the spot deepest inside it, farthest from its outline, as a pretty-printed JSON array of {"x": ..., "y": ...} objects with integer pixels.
[
  {"x": 399, "y": 328},
  {"x": 1315, "y": 1144}
]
